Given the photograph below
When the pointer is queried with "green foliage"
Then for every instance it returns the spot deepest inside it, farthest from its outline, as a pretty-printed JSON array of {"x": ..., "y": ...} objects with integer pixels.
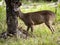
[
  {"x": 0, "y": 0},
  {"x": 59, "y": 5},
  {"x": 39, "y": 0},
  {"x": 2, "y": 19},
  {"x": 54, "y": 0}
]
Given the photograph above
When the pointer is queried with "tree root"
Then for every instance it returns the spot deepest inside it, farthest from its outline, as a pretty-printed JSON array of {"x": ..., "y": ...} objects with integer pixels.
[{"x": 20, "y": 33}]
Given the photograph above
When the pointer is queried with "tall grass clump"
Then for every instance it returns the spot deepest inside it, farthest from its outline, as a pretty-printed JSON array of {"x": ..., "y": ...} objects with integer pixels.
[{"x": 2, "y": 18}]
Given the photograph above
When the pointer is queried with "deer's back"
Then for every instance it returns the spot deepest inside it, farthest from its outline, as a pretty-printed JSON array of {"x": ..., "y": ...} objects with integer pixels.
[{"x": 39, "y": 17}]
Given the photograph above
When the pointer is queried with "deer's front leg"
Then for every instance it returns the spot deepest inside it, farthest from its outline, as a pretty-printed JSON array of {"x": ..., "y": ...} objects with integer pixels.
[
  {"x": 31, "y": 29},
  {"x": 28, "y": 28},
  {"x": 27, "y": 31}
]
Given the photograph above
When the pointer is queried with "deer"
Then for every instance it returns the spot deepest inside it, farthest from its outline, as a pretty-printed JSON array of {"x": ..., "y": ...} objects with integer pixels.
[{"x": 35, "y": 18}]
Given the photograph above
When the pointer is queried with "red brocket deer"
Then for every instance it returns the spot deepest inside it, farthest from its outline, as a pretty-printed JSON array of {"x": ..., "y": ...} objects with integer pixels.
[{"x": 35, "y": 18}]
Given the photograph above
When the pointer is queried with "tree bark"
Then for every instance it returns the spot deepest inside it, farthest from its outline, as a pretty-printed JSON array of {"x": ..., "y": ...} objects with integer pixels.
[{"x": 11, "y": 18}]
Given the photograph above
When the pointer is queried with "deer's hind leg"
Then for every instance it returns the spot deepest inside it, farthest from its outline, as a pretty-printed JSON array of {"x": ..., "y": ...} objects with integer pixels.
[{"x": 49, "y": 25}]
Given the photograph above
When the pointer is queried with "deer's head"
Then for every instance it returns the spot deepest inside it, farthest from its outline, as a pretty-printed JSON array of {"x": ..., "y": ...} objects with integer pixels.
[{"x": 16, "y": 5}]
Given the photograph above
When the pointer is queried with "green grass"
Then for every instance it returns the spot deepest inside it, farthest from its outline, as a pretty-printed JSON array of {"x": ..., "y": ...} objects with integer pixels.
[
  {"x": 2, "y": 19},
  {"x": 43, "y": 35}
]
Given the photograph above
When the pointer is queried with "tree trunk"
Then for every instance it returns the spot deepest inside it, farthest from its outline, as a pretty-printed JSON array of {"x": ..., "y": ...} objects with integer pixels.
[{"x": 11, "y": 18}]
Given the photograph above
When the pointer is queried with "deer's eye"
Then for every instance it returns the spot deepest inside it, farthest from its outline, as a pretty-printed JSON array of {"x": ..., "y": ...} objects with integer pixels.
[
  {"x": 16, "y": 2},
  {"x": 19, "y": 4}
]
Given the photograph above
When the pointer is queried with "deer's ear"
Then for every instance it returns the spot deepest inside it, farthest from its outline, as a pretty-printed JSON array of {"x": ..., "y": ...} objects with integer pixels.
[{"x": 19, "y": 3}]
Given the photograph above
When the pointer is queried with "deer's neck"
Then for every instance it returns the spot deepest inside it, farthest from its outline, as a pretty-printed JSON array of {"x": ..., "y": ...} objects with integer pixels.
[{"x": 21, "y": 16}]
